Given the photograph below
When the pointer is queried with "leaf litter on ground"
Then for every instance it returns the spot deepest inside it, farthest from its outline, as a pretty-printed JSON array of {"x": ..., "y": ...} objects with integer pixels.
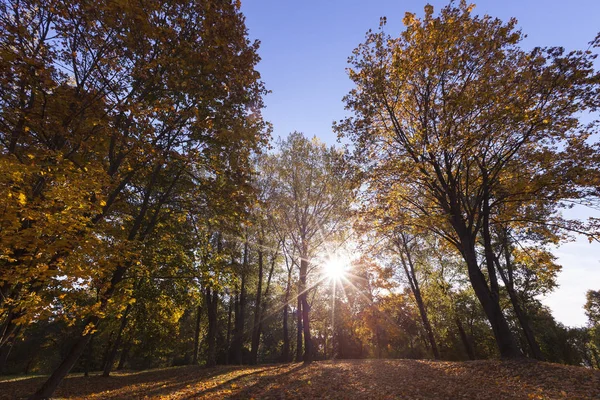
[{"x": 345, "y": 379}]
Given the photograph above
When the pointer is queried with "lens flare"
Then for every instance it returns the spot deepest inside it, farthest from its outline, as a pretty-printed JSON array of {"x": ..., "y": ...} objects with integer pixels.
[{"x": 335, "y": 267}]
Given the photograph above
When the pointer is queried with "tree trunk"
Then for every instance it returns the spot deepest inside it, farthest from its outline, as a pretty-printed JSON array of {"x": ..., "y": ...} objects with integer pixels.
[
  {"x": 465, "y": 339},
  {"x": 107, "y": 350},
  {"x": 337, "y": 345},
  {"x": 124, "y": 354},
  {"x": 236, "y": 315},
  {"x": 240, "y": 315},
  {"x": 521, "y": 314},
  {"x": 4, "y": 353},
  {"x": 228, "y": 338},
  {"x": 409, "y": 269},
  {"x": 7, "y": 348},
  {"x": 263, "y": 309},
  {"x": 299, "y": 330},
  {"x": 28, "y": 365},
  {"x": 257, "y": 310},
  {"x": 197, "y": 335},
  {"x": 504, "y": 338},
  {"x": 88, "y": 357},
  {"x": 379, "y": 342},
  {"x": 427, "y": 324},
  {"x": 285, "y": 351},
  {"x": 238, "y": 327},
  {"x": 524, "y": 322},
  {"x": 241, "y": 322},
  {"x": 487, "y": 245},
  {"x": 67, "y": 363},
  {"x": 110, "y": 360},
  {"x": 7, "y": 332},
  {"x": 212, "y": 301},
  {"x": 285, "y": 356},
  {"x": 305, "y": 309},
  {"x": 489, "y": 295}
]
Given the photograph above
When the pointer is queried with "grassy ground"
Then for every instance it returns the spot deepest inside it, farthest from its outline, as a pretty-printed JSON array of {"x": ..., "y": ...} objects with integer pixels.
[{"x": 368, "y": 379}]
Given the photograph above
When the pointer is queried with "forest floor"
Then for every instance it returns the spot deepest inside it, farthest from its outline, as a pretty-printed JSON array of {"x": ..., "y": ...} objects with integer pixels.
[{"x": 348, "y": 379}]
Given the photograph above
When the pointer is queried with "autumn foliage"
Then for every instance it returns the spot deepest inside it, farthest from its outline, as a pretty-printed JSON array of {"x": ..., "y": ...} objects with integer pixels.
[{"x": 146, "y": 221}]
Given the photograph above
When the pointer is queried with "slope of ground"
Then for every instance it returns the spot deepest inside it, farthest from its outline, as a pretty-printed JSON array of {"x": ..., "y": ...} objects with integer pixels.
[{"x": 366, "y": 379}]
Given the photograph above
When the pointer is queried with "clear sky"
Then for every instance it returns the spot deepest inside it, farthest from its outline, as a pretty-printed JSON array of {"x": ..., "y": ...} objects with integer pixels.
[{"x": 304, "y": 50}]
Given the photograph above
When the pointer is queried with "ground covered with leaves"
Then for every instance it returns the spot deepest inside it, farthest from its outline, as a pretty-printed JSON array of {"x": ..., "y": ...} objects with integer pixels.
[{"x": 364, "y": 379}]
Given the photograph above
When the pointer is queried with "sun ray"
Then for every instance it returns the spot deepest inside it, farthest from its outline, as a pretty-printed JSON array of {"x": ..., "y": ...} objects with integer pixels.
[{"x": 335, "y": 267}]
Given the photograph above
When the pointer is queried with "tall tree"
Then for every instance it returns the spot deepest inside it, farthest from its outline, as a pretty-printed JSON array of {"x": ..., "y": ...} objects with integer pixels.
[
  {"x": 108, "y": 120},
  {"x": 443, "y": 111},
  {"x": 405, "y": 247},
  {"x": 239, "y": 334},
  {"x": 313, "y": 196}
]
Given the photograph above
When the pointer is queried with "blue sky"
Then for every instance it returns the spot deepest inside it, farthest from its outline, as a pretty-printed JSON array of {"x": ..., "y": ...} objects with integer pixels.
[{"x": 304, "y": 50}]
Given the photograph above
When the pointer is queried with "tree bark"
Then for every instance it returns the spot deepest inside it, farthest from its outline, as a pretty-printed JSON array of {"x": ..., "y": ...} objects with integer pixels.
[
  {"x": 236, "y": 315},
  {"x": 28, "y": 365},
  {"x": 67, "y": 363},
  {"x": 465, "y": 339},
  {"x": 257, "y": 310},
  {"x": 487, "y": 243},
  {"x": 88, "y": 357},
  {"x": 112, "y": 355},
  {"x": 504, "y": 338},
  {"x": 409, "y": 269},
  {"x": 4, "y": 353},
  {"x": 212, "y": 300},
  {"x": 307, "y": 358},
  {"x": 197, "y": 335},
  {"x": 228, "y": 338},
  {"x": 521, "y": 314},
  {"x": 285, "y": 356},
  {"x": 9, "y": 329},
  {"x": 7, "y": 348},
  {"x": 263, "y": 309},
  {"x": 109, "y": 344},
  {"x": 242, "y": 322},
  {"x": 124, "y": 354},
  {"x": 299, "y": 330},
  {"x": 238, "y": 337}
]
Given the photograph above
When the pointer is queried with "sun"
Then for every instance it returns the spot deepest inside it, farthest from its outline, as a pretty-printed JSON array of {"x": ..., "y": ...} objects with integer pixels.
[{"x": 335, "y": 267}]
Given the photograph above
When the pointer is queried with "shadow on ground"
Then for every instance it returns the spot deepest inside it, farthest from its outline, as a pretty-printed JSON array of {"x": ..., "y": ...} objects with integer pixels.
[
  {"x": 129, "y": 384},
  {"x": 348, "y": 379}
]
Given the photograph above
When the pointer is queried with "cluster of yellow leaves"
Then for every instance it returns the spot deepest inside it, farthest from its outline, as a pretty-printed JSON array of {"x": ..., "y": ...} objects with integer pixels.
[{"x": 36, "y": 228}]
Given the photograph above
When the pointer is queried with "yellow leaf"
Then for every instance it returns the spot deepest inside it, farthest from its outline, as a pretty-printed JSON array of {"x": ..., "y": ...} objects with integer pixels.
[{"x": 22, "y": 199}]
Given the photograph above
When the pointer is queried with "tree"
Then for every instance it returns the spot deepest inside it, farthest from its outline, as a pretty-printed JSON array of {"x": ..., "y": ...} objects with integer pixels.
[
  {"x": 313, "y": 195},
  {"x": 442, "y": 112},
  {"x": 592, "y": 306},
  {"x": 108, "y": 120},
  {"x": 289, "y": 267},
  {"x": 592, "y": 311},
  {"x": 406, "y": 246}
]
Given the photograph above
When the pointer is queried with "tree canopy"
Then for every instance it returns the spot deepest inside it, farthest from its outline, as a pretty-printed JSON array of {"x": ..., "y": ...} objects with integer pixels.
[{"x": 147, "y": 220}]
